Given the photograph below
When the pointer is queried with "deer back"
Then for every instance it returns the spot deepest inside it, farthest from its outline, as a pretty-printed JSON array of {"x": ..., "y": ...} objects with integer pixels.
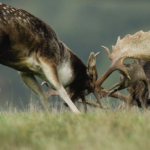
[{"x": 22, "y": 34}]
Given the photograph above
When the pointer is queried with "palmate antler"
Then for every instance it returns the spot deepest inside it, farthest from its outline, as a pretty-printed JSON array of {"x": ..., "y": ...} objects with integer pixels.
[{"x": 135, "y": 46}]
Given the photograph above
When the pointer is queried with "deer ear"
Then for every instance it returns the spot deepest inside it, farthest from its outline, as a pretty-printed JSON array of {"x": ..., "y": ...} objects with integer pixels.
[
  {"x": 91, "y": 61},
  {"x": 91, "y": 68}
]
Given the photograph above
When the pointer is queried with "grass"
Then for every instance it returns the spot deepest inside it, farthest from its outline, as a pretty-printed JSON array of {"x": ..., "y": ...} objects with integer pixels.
[{"x": 112, "y": 129}]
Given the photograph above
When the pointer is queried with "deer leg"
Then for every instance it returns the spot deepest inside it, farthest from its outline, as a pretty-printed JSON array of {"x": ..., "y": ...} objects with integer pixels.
[
  {"x": 32, "y": 83},
  {"x": 52, "y": 92},
  {"x": 142, "y": 100},
  {"x": 84, "y": 104},
  {"x": 148, "y": 86},
  {"x": 50, "y": 72}
]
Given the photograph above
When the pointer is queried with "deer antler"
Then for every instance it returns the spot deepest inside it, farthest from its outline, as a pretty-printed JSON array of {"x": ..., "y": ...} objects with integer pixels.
[{"x": 135, "y": 46}]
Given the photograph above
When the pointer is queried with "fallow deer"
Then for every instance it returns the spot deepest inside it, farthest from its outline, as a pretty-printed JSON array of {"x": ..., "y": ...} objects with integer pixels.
[
  {"x": 136, "y": 73},
  {"x": 138, "y": 85},
  {"x": 30, "y": 46},
  {"x": 135, "y": 46},
  {"x": 139, "y": 90}
]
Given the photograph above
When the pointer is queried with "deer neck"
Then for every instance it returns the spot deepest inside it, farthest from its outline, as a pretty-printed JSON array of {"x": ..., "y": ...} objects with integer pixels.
[{"x": 72, "y": 67}]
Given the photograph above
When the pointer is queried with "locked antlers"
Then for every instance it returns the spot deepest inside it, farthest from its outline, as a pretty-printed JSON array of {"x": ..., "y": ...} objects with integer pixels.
[{"x": 135, "y": 46}]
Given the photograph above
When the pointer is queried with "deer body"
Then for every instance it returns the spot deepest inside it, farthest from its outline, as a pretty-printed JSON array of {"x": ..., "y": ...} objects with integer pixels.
[
  {"x": 30, "y": 46},
  {"x": 21, "y": 44}
]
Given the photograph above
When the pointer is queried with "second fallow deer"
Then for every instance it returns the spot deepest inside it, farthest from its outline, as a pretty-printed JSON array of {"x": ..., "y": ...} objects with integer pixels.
[
  {"x": 138, "y": 85},
  {"x": 135, "y": 46},
  {"x": 136, "y": 73},
  {"x": 139, "y": 91}
]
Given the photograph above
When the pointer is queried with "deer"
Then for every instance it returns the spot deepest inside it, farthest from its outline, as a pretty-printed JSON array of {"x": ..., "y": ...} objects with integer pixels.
[
  {"x": 138, "y": 86},
  {"x": 136, "y": 73},
  {"x": 139, "y": 90},
  {"x": 136, "y": 46},
  {"x": 30, "y": 46}
]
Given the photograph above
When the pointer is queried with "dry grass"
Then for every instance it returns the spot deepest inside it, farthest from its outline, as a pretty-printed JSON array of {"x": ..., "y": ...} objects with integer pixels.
[{"x": 111, "y": 129}]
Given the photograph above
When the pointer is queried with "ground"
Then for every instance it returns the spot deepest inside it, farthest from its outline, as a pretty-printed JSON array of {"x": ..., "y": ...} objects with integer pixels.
[{"x": 101, "y": 129}]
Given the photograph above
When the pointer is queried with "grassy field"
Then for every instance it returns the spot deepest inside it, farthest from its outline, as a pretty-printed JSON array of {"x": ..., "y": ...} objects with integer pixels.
[{"x": 111, "y": 129}]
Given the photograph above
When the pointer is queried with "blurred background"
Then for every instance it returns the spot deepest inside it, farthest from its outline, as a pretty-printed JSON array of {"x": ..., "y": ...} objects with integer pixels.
[{"x": 83, "y": 25}]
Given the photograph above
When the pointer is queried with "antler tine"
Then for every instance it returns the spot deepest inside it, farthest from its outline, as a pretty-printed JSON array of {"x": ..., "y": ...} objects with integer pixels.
[
  {"x": 44, "y": 82},
  {"x": 118, "y": 40},
  {"x": 97, "y": 54},
  {"x": 108, "y": 52}
]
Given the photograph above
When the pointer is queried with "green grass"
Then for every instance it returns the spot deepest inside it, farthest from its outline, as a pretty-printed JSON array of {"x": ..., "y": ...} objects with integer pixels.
[{"x": 115, "y": 130}]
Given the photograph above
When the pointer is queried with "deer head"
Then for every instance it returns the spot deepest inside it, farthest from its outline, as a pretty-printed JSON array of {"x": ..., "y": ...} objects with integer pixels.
[
  {"x": 136, "y": 73},
  {"x": 92, "y": 77},
  {"x": 135, "y": 46},
  {"x": 92, "y": 73}
]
